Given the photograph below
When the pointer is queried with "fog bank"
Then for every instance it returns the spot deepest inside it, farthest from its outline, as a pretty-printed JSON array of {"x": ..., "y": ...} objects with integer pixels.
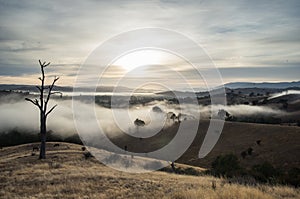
[{"x": 23, "y": 116}]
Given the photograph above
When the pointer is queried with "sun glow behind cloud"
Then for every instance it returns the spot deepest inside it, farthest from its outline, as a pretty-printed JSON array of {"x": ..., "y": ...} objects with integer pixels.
[
  {"x": 138, "y": 58},
  {"x": 146, "y": 66}
]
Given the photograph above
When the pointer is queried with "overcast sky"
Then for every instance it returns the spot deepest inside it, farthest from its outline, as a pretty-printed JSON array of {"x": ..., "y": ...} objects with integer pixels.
[{"x": 247, "y": 40}]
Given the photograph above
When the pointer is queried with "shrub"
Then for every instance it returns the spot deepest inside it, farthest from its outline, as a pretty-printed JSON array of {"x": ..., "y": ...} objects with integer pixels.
[
  {"x": 265, "y": 173},
  {"x": 249, "y": 151},
  {"x": 244, "y": 154},
  {"x": 226, "y": 165},
  {"x": 293, "y": 177},
  {"x": 88, "y": 155}
]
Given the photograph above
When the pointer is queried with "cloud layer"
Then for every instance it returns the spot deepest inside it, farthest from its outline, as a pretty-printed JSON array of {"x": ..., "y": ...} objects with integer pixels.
[{"x": 240, "y": 36}]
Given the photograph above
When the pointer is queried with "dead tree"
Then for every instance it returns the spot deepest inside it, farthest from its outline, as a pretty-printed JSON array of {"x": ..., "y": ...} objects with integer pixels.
[{"x": 45, "y": 93}]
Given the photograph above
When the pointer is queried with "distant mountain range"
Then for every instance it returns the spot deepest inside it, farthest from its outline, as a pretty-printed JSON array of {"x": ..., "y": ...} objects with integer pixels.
[
  {"x": 32, "y": 88},
  {"x": 233, "y": 85},
  {"x": 280, "y": 85}
]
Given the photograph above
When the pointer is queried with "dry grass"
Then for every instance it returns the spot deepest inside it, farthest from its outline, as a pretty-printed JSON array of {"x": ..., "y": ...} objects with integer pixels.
[{"x": 67, "y": 174}]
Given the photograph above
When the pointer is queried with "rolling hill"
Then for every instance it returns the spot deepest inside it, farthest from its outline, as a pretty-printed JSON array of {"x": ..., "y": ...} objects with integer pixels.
[
  {"x": 67, "y": 174},
  {"x": 279, "y": 145}
]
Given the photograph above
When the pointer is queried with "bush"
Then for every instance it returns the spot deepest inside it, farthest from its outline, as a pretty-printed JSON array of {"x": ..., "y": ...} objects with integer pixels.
[
  {"x": 249, "y": 151},
  {"x": 265, "y": 173},
  {"x": 226, "y": 165},
  {"x": 293, "y": 177},
  {"x": 244, "y": 154},
  {"x": 88, "y": 155}
]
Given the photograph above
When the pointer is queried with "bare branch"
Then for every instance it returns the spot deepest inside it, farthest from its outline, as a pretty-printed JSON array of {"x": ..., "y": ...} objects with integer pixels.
[
  {"x": 45, "y": 65},
  {"x": 49, "y": 92},
  {"x": 42, "y": 78},
  {"x": 39, "y": 88},
  {"x": 51, "y": 110},
  {"x": 56, "y": 78},
  {"x": 35, "y": 102}
]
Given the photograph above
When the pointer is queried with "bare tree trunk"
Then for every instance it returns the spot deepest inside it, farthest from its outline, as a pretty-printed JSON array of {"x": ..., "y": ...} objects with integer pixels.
[{"x": 43, "y": 138}]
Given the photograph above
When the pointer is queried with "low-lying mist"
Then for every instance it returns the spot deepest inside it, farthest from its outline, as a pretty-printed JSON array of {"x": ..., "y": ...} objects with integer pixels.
[{"x": 24, "y": 117}]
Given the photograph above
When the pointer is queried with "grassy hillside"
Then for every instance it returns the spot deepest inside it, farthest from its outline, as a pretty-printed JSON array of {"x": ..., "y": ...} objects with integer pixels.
[
  {"x": 278, "y": 144},
  {"x": 67, "y": 174}
]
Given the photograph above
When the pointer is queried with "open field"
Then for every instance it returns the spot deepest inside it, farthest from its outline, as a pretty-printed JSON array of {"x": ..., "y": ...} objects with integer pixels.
[{"x": 67, "y": 174}]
